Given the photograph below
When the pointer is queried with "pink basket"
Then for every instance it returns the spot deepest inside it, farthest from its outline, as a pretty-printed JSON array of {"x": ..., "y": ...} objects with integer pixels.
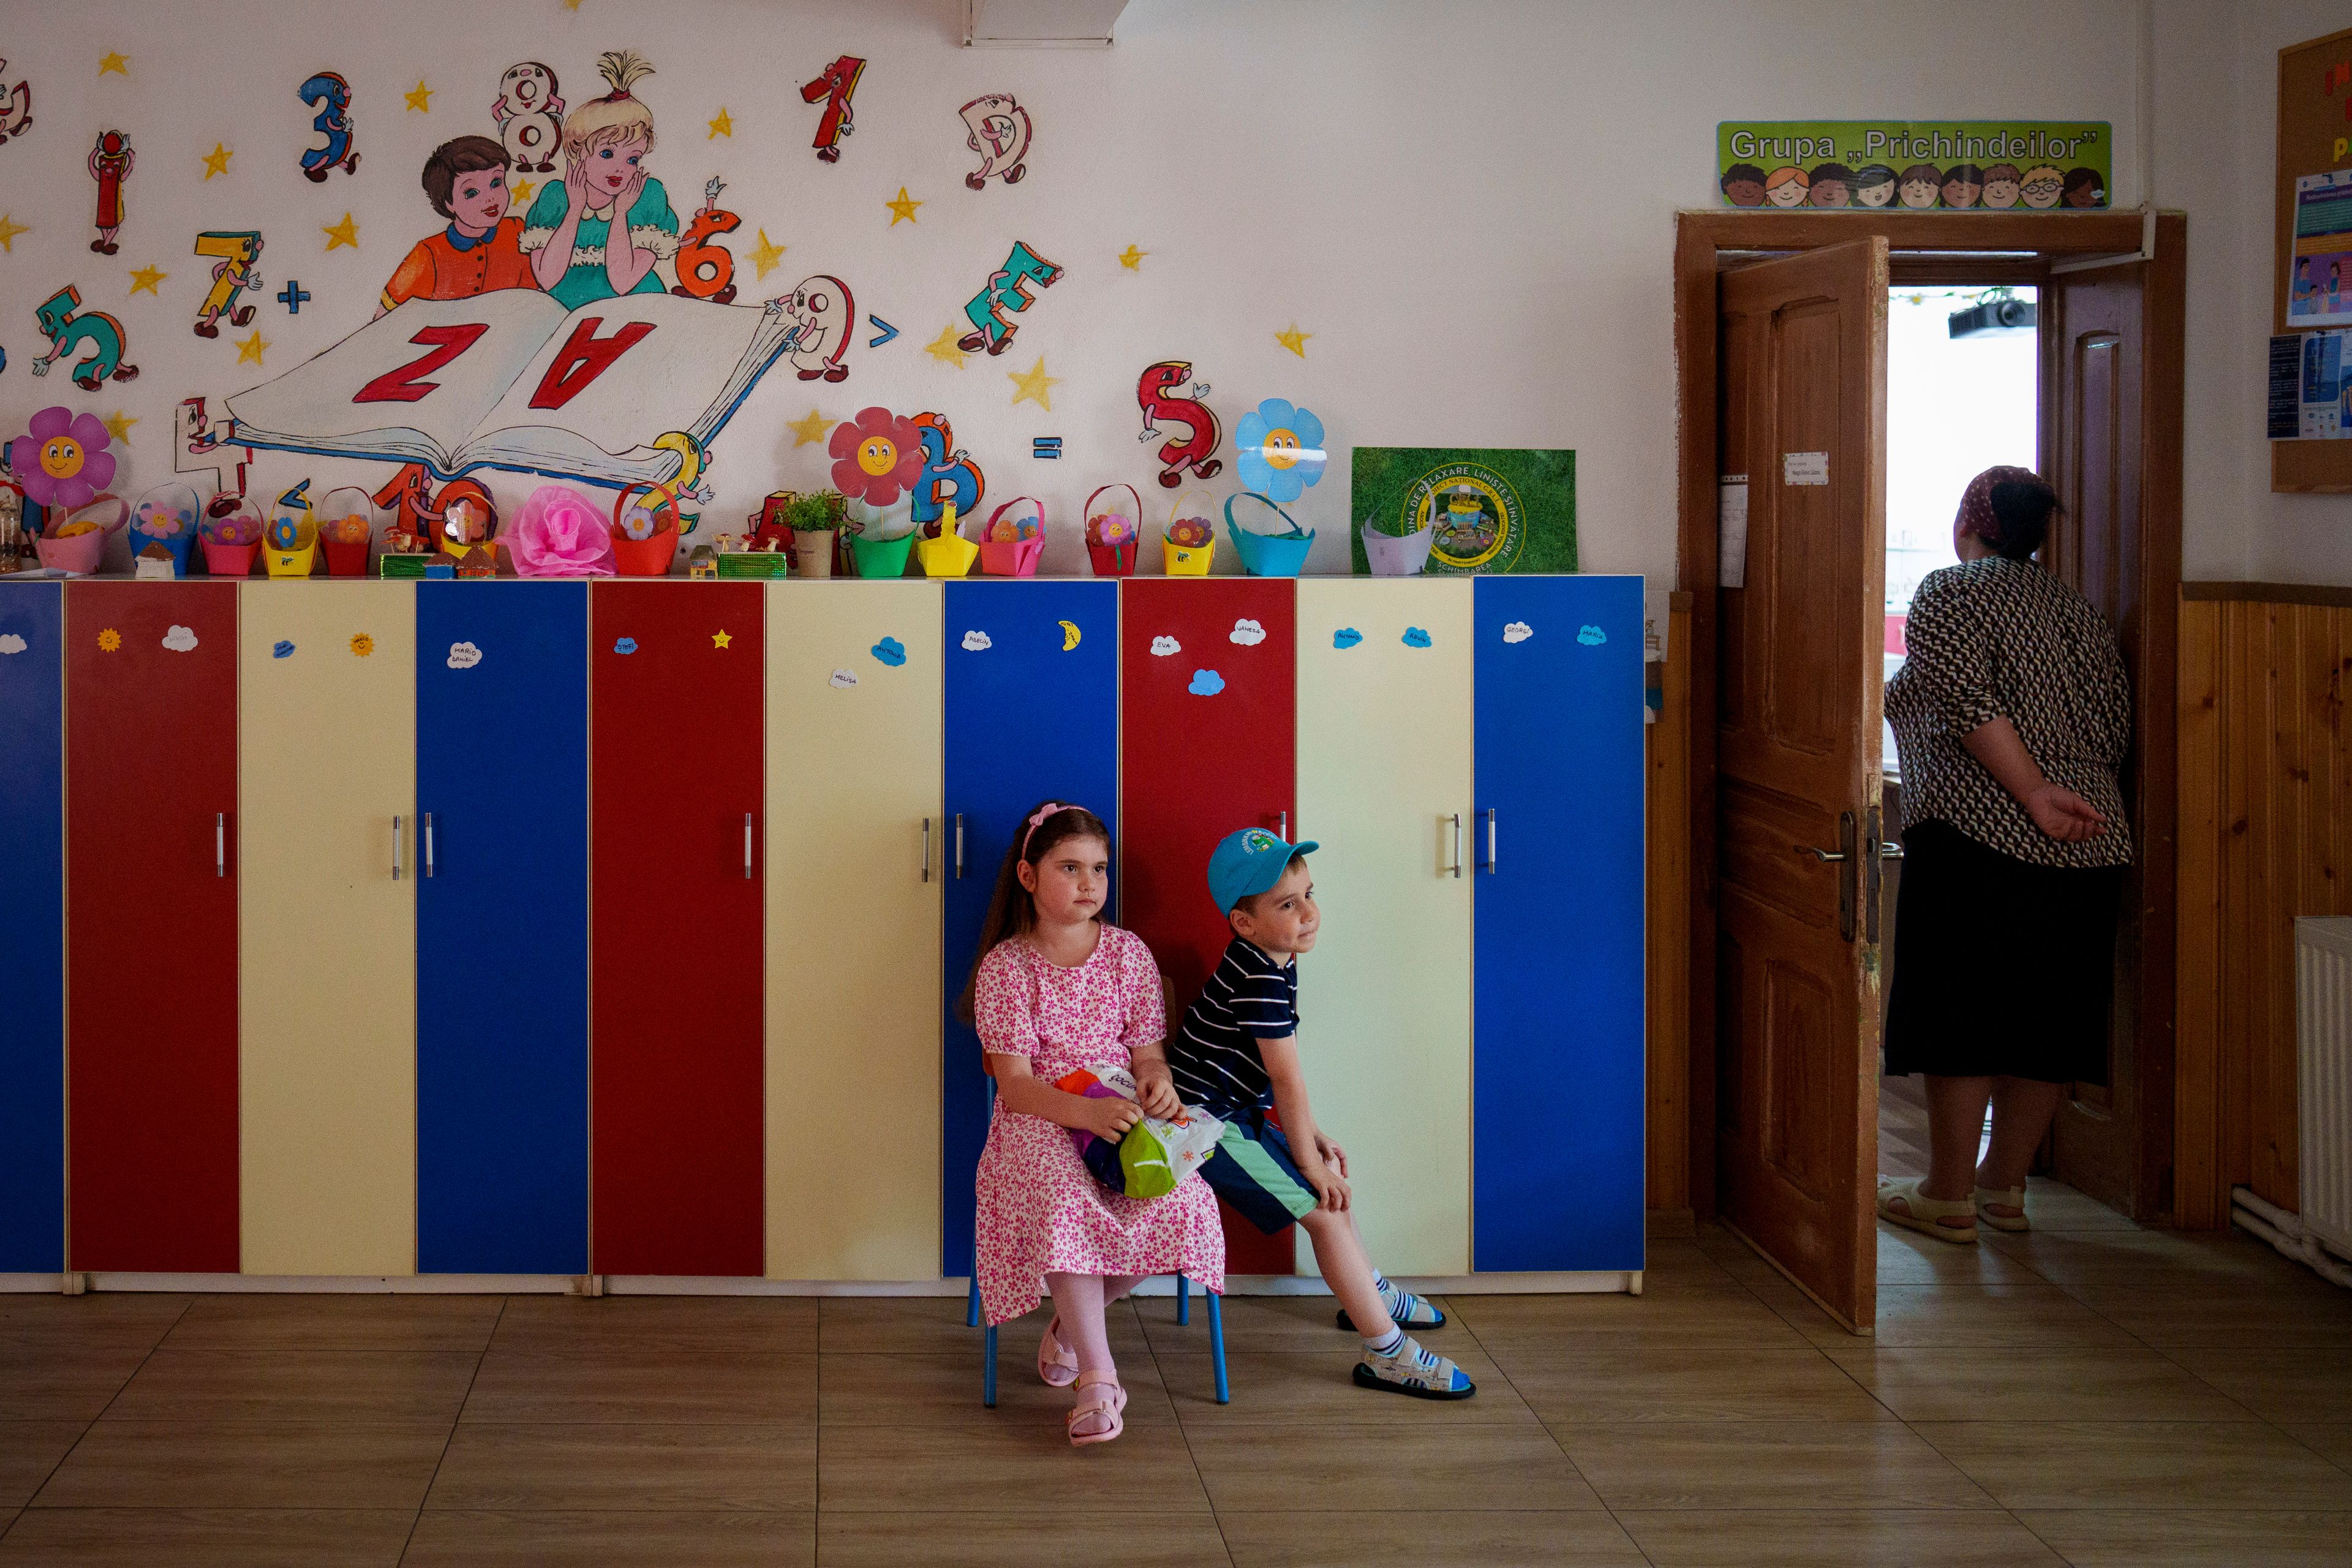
[
  {"x": 81, "y": 552},
  {"x": 1014, "y": 557}
]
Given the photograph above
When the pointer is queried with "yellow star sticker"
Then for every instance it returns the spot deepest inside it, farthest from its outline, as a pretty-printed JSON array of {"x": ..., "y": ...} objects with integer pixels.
[
  {"x": 1293, "y": 339},
  {"x": 251, "y": 349},
  {"x": 719, "y": 639},
  {"x": 9, "y": 230},
  {"x": 217, "y": 161},
  {"x": 943, "y": 347},
  {"x": 1035, "y": 385},
  {"x": 421, "y": 97},
  {"x": 765, "y": 255},
  {"x": 118, "y": 424},
  {"x": 522, "y": 189},
  {"x": 1132, "y": 258},
  {"x": 722, "y": 126},
  {"x": 146, "y": 277},
  {"x": 812, "y": 429},
  {"x": 902, "y": 208},
  {"x": 343, "y": 233},
  {"x": 113, "y": 62}
]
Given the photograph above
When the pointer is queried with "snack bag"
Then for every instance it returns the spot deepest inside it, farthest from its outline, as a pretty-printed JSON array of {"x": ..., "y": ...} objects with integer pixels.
[{"x": 1155, "y": 1154}]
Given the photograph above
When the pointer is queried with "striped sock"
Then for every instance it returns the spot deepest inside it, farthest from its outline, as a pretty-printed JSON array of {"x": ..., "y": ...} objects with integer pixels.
[
  {"x": 1403, "y": 1306},
  {"x": 1388, "y": 1346}
]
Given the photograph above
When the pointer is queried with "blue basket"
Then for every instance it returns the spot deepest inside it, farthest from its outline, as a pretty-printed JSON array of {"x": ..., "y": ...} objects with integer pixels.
[{"x": 1268, "y": 554}]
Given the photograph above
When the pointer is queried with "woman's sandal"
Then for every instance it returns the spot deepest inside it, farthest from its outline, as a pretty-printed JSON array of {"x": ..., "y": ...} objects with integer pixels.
[
  {"x": 2008, "y": 1198},
  {"x": 1927, "y": 1214},
  {"x": 1057, "y": 1365},
  {"x": 1111, "y": 1408}
]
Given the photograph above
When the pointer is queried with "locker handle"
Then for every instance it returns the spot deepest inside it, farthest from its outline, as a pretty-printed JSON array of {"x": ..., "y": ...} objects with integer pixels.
[
  {"x": 1490, "y": 815},
  {"x": 927, "y": 849},
  {"x": 220, "y": 843},
  {"x": 959, "y": 846},
  {"x": 428, "y": 844},
  {"x": 747, "y": 845},
  {"x": 396, "y": 849},
  {"x": 1283, "y": 831},
  {"x": 1457, "y": 843}
]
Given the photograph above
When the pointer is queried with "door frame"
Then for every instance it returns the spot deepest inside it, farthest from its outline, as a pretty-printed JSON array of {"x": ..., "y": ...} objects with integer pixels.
[{"x": 1932, "y": 249}]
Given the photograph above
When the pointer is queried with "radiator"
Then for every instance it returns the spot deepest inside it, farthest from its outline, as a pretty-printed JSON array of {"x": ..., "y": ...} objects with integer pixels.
[{"x": 2323, "y": 992}]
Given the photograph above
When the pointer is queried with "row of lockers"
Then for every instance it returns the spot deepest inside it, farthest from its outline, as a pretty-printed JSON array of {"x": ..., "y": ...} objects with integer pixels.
[{"x": 558, "y": 927}]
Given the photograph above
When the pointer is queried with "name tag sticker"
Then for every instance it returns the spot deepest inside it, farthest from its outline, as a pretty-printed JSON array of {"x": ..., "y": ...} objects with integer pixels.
[{"x": 1804, "y": 468}]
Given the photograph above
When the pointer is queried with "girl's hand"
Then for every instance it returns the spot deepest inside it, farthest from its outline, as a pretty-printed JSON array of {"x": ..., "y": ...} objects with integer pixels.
[
  {"x": 575, "y": 188},
  {"x": 1157, "y": 1092},
  {"x": 1109, "y": 1118},
  {"x": 2064, "y": 814},
  {"x": 1333, "y": 1155}
]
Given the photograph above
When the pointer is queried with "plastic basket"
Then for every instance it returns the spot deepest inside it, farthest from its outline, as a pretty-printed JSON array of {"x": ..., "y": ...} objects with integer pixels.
[
  {"x": 1114, "y": 560},
  {"x": 1397, "y": 555},
  {"x": 81, "y": 552},
  {"x": 297, "y": 560},
  {"x": 1016, "y": 557},
  {"x": 1268, "y": 554},
  {"x": 949, "y": 555}
]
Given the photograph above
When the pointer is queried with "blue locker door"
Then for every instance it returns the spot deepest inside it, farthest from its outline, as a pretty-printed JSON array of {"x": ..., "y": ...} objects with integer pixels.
[
  {"x": 502, "y": 928},
  {"x": 1557, "y": 947},
  {"x": 1026, "y": 718},
  {"x": 32, "y": 890}
]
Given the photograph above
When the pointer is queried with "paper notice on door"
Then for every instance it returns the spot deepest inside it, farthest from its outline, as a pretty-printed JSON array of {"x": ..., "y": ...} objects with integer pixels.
[
  {"x": 1731, "y": 532},
  {"x": 1804, "y": 468},
  {"x": 1658, "y": 614}
]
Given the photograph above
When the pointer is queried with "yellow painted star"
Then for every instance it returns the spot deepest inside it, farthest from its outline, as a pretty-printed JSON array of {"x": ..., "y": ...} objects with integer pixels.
[
  {"x": 146, "y": 277},
  {"x": 421, "y": 97},
  {"x": 1035, "y": 385},
  {"x": 943, "y": 347},
  {"x": 522, "y": 189},
  {"x": 571, "y": 4},
  {"x": 719, "y": 639},
  {"x": 902, "y": 208},
  {"x": 118, "y": 424},
  {"x": 9, "y": 230},
  {"x": 1132, "y": 258},
  {"x": 812, "y": 429},
  {"x": 722, "y": 126},
  {"x": 765, "y": 255},
  {"x": 1293, "y": 339},
  {"x": 113, "y": 62},
  {"x": 251, "y": 349},
  {"x": 217, "y": 161},
  {"x": 343, "y": 233}
]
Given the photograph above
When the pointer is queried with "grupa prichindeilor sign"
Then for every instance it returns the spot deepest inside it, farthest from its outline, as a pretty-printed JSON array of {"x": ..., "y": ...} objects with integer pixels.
[{"x": 1973, "y": 165}]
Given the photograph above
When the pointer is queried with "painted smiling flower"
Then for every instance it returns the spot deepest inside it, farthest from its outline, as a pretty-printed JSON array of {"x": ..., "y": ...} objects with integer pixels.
[
  {"x": 68, "y": 463},
  {"x": 1281, "y": 448},
  {"x": 876, "y": 456}
]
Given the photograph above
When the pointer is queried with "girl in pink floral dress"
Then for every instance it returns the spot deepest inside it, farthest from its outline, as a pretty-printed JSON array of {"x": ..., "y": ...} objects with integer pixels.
[{"x": 1057, "y": 989}]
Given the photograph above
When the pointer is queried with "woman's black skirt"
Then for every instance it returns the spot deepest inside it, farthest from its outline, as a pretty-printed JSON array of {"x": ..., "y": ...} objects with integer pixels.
[{"x": 2002, "y": 968}]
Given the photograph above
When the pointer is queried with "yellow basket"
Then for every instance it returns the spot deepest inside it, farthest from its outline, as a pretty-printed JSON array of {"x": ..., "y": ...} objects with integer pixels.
[
  {"x": 297, "y": 561},
  {"x": 949, "y": 555},
  {"x": 1188, "y": 560}
]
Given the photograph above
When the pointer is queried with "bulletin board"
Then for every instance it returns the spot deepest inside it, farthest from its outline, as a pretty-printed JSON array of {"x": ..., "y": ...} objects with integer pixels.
[{"x": 2315, "y": 136}]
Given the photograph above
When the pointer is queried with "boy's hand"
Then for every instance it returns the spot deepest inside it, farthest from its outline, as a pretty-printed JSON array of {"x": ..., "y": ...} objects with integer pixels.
[
  {"x": 1333, "y": 1155},
  {"x": 1331, "y": 1188},
  {"x": 1156, "y": 1088},
  {"x": 1109, "y": 1118}
]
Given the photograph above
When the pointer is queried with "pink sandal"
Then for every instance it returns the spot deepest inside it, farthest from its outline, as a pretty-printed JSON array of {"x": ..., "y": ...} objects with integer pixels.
[
  {"x": 1111, "y": 1407},
  {"x": 1057, "y": 1365}
]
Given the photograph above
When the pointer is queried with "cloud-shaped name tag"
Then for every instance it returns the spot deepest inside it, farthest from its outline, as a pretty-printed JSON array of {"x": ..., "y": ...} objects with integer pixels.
[
  {"x": 1247, "y": 633},
  {"x": 11, "y": 643},
  {"x": 890, "y": 651},
  {"x": 844, "y": 678},
  {"x": 1161, "y": 646},
  {"x": 976, "y": 642},
  {"x": 1518, "y": 631},
  {"x": 625, "y": 645},
  {"x": 1591, "y": 636},
  {"x": 464, "y": 656},
  {"x": 1206, "y": 683},
  {"x": 1346, "y": 636},
  {"x": 181, "y": 639},
  {"x": 281, "y": 650},
  {"x": 1415, "y": 637}
]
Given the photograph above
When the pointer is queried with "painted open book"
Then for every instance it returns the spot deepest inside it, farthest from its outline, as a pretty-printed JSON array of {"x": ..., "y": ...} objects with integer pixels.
[{"x": 512, "y": 380}]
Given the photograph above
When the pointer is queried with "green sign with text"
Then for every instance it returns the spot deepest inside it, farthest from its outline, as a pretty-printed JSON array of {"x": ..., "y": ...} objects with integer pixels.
[{"x": 2022, "y": 166}]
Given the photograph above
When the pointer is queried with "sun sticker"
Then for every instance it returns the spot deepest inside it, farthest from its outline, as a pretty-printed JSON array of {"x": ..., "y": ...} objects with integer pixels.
[
  {"x": 363, "y": 644},
  {"x": 109, "y": 640}
]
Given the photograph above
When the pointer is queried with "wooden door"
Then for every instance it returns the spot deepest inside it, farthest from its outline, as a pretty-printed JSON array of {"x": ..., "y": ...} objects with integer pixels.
[
  {"x": 32, "y": 887},
  {"x": 327, "y": 926},
  {"x": 1031, "y": 713},
  {"x": 854, "y": 880},
  {"x": 1803, "y": 394},
  {"x": 1556, "y": 848},
  {"x": 1384, "y": 784},
  {"x": 1208, "y": 700},
  {"x": 676, "y": 675},
  {"x": 154, "y": 829},
  {"x": 502, "y": 928}
]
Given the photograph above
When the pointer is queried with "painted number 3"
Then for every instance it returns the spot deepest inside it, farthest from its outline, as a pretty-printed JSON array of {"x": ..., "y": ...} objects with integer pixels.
[{"x": 584, "y": 357}]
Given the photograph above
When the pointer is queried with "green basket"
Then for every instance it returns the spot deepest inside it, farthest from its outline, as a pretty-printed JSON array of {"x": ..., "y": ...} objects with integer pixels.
[
  {"x": 401, "y": 566},
  {"x": 881, "y": 557}
]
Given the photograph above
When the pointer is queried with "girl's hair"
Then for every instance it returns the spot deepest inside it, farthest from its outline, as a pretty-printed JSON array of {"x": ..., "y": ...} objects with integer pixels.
[
  {"x": 616, "y": 116},
  {"x": 2022, "y": 511},
  {"x": 1012, "y": 911}
]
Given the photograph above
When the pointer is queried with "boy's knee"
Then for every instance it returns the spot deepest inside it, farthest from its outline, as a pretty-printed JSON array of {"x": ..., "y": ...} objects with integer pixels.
[{"x": 1316, "y": 1221}]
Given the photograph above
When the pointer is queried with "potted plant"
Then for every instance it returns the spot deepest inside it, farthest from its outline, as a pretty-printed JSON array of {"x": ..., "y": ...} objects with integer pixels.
[{"x": 815, "y": 519}]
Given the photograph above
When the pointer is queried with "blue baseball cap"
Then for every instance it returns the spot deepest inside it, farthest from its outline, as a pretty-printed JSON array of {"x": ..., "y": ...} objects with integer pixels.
[{"x": 1247, "y": 863}]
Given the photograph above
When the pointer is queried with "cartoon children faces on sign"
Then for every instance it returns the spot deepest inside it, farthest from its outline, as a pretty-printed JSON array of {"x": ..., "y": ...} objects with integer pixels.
[
  {"x": 1920, "y": 186},
  {"x": 481, "y": 250},
  {"x": 597, "y": 233}
]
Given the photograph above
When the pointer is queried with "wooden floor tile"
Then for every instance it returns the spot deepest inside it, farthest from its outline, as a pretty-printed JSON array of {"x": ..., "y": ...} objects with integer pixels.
[
  {"x": 1275, "y": 1323},
  {"x": 1723, "y": 1316},
  {"x": 1334, "y": 1468},
  {"x": 2159, "y": 1256},
  {"x": 1821, "y": 1465},
  {"x": 29, "y": 1450},
  {"x": 248, "y": 1465},
  {"x": 630, "y": 1325},
  {"x": 2119, "y": 1538},
  {"x": 1961, "y": 1383},
  {"x": 1682, "y": 1385},
  {"x": 2331, "y": 1441},
  {"x": 1286, "y": 1387},
  {"x": 882, "y": 1325},
  {"x": 945, "y": 1390},
  {"x": 2226, "y": 1317},
  {"x": 468, "y": 1537},
  {"x": 1141, "y": 1538},
  {"x": 1026, "y": 1456},
  {"x": 337, "y": 1322},
  {"x": 588, "y": 1469},
  {"x": 2281, "y": 1385},
  {"x": 2055, "y": 1207},
  {"x": 297, "y": 1385},
  {"x": 118, "y": 1318},
  {"x": 2149, "y": 1465},
  {"x": 1996, "y": 1316},
  {"x": 654, "y": 1387},
  {"x": 57, "y": 1377},
  {"x": 1448, "y": 1539},
  {"x": 1804, "y": 1539},
  {"x": 208, "y": 1538},
  {"x": 1906, "y": 1257}
]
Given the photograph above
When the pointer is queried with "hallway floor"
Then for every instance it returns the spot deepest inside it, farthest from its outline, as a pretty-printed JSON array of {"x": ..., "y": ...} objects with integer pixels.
[{"x": 2090, "y": 1393}]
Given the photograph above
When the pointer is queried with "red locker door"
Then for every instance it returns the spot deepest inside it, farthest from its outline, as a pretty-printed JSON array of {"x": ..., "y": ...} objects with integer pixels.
[
  {"x": 677, "y": 1056},
  {"x": 1209, "y": 690},
  {"x": 152, "y": 836}
]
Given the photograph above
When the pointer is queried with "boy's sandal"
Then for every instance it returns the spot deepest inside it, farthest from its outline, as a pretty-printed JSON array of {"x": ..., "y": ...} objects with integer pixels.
[
  {"x": 1925, "y": 1214},
  {"x": 2006, "y": 1197},
  {"x": 1109, "y": 1406},
  {"x": 1057, "y": 1365}
]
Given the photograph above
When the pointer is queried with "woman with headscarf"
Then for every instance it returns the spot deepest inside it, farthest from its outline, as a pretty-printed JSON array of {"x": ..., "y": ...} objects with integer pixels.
[{"x": 2011, "y": 715}]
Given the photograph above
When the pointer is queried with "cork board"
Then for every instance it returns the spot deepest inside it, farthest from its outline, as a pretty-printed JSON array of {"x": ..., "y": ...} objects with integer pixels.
[{"x": 2315, "y": 136}]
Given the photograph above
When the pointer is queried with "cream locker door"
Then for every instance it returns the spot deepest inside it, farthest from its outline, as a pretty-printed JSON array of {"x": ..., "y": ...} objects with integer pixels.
[
  {"x": 327, "y": 980},
  {"x": 1384, "y": 783},
  {"x": 853, "y": 891}
]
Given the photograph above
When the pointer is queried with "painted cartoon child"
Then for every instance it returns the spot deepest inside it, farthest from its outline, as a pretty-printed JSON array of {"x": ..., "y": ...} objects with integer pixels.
[
  {"x": 2042, "y": 186},
  {"x": 2002, "y": 185},
  {"x": 231, "y": 275},
  {"x": 597, "y": 232},
  {"x": 1963, "y": 184},
  {"x": 110, "y": 166},
  {"x": 1921, "y": 186},
  {"x": 1832, "y": 185},
  {"x": 1743, "y": 185},
  {"x": 1787, "y": 187},
  {"x": 2084, "y": 188},
  {"x": 1874, "y": 185},
  {"x": 481, "y": 250}
]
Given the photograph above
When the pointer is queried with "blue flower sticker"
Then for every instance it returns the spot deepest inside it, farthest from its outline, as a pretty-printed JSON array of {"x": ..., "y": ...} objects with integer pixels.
[
  {"x": 1591, "y": 636},
  {"x": 1281, "y": 449},
  {"x": 626, "y": 644},
  {"x": 1206, "y": 683},
  {"x": 1415, "y": 637},
  {"x": 282, "y": 651},
  {"x": 1346, "y": 636},
  {"x": 890, "y": 651}
]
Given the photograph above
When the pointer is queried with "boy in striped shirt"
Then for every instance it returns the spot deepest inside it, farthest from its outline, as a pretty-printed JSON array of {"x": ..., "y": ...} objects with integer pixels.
[{"x": 1237, "y": 1058}]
